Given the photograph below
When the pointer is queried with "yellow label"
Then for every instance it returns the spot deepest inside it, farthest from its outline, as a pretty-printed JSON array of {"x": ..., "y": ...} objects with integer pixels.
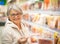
[{"x": 55, "y": 34}]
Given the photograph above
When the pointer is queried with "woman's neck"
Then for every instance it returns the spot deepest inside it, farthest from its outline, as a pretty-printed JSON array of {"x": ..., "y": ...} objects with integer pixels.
[{"x": 18, "y": 25}]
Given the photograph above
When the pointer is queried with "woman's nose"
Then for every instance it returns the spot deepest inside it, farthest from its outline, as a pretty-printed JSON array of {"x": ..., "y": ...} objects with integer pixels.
[{"x": 16, "y": 16}]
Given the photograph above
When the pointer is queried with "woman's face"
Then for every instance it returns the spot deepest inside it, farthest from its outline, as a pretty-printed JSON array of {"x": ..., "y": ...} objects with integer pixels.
[{"x": 15, "y": 16}]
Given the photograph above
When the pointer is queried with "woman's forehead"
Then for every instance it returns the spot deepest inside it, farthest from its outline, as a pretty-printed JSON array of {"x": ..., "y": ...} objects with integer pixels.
[{"x": 14, "y": 11}]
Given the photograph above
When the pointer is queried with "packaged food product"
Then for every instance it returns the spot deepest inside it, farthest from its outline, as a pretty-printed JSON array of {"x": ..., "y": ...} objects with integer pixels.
[
  {"x": 58, "y": 27},
  {"x": 36, "y": 17},
  {"x": 38, "y": 5},
  {"x": 44, "y": 41},
  {"x": 59, "y": 4},
  {"x": 58, "y": 41},
  {"x": 34, "y": 29},
  {"x": 51, "y": 21},
  {"x": 54, "y": 4},
  {"x": 31, "y": 6},
  {"x": 47, "y": 34},
  {"x": 42, "y": 20},
  {"x": 25, "y": 6},
  {"x": 33, "y": 39},
  {"x": 40, "y": 30},
  {"x": 55, "y": 34},
  {"x": 46, "y": 4},
  {"x": 26, "y": 17},
  {"x": 55, "y": 40}
]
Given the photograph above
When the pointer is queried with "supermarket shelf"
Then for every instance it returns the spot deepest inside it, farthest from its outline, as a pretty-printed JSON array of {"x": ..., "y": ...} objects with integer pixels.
[
  {"x": 43, "y": 12},
  {"x": 45, "y": 26}
]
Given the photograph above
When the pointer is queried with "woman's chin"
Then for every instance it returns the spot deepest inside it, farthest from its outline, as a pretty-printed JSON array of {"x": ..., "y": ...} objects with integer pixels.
[{"x": 16, "y": 21}]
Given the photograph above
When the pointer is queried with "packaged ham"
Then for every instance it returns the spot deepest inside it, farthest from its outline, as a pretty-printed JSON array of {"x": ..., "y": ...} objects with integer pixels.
[{"x": 44, "y": 41}]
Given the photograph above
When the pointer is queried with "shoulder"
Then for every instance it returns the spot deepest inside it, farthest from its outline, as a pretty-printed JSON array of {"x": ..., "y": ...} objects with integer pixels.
[{"x": 6, "y": 30}]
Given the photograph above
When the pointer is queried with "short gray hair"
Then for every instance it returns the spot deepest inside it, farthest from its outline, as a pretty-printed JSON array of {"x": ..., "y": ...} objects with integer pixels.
[{"x": 13, "y": 7}]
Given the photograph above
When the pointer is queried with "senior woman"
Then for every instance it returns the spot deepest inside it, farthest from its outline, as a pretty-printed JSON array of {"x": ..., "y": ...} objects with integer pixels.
[{"x": 15, "y": 32}]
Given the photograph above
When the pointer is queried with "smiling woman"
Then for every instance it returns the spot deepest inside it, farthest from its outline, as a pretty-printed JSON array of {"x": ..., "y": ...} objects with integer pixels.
[
  {"x": 15, "y": 32},
  {"x": 14, "y": 14}
]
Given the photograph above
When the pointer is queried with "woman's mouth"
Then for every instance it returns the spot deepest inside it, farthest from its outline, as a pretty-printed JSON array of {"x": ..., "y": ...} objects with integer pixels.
[{"x": 16, "y": 19}]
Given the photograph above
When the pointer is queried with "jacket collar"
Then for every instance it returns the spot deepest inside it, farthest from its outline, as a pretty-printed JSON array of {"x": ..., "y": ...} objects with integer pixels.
[{"x": 11, "y": 24}]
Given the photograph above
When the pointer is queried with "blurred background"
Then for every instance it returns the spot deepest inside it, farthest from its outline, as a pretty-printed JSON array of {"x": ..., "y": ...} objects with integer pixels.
[{"x": 42, "y": 12}]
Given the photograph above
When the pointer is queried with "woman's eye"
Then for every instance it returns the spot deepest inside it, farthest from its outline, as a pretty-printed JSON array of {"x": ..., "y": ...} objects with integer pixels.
[
  {"x": 17, "y": 13},
  {"x": 13, "y": 14}
]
